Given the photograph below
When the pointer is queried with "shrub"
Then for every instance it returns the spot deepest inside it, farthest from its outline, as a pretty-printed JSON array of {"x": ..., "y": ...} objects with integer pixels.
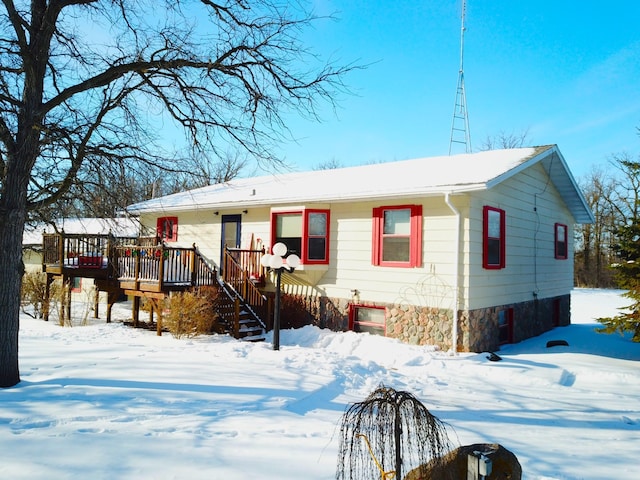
[
  {"x": 191, "y": 313},
  {"x": 34, "y": 286},
  {"x": 293, "y": 312}
]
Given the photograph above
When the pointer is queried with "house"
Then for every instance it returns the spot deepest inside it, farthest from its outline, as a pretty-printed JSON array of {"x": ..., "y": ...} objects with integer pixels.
[{"x": 466, "y": 252}]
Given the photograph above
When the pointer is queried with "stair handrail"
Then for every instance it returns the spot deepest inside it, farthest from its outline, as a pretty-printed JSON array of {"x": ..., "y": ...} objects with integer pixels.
[{"x": 245, "y": 283}]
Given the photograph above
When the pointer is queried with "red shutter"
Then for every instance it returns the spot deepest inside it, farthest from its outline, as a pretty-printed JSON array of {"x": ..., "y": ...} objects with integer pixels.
[
  {"x": 416, "y": 236},
  {"x": 376, "y": 228}
]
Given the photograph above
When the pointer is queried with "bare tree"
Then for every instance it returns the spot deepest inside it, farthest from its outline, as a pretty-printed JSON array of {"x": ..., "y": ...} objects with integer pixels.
[
  {"x": 331, "y": 164},
  {"x": 593, "y": 241},
  {"x": 204, "y": 170},
  {"x": 505, "y": 140},
  {"x": 614, "y": 198},
  {"x": 84, "y": 83},
  {"x": 625, "y": 197}
]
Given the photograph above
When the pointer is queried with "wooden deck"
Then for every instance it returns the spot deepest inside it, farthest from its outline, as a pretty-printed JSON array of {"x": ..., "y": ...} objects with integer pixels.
[{"x": 143, "y": 267}]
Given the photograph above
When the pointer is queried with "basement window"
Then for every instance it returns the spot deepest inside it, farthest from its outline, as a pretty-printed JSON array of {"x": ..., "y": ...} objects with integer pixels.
[
  {"x": 505, "y": 326},
  {"x": 367, "y": 319}
]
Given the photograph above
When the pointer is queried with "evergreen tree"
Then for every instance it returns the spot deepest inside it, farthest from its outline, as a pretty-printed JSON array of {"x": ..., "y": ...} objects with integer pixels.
[{"x": 627, "y": 274}]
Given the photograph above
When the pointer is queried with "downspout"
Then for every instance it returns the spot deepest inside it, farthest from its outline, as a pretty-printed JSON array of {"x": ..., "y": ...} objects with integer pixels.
[{"x": 456, "y": 277}]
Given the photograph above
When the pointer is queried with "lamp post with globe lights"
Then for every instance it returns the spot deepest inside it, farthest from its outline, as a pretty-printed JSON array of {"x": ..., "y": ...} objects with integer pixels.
[{"x": 277, "y": 263}]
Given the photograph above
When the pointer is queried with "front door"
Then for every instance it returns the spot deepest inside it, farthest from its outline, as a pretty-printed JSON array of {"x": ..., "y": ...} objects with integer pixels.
[{"x": 230, "y": 234}]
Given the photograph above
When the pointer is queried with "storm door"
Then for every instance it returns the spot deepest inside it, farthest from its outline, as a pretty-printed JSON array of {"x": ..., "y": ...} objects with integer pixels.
[{"x": 231, "y": 230}]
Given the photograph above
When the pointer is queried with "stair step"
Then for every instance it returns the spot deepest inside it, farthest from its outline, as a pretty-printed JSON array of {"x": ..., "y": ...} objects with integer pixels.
[
  {"x": 253, "y": 338},
  {"x": 249, "y": 326}
]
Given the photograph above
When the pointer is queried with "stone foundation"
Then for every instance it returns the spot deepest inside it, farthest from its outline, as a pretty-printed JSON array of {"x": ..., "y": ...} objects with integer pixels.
[
  {"x": 477, "y": 329},
  {"x": 530, "y": 319}
]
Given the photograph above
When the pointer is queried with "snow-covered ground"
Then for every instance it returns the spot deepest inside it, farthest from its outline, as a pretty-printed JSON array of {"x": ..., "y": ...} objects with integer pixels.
[{"x": 106, "y": 401}]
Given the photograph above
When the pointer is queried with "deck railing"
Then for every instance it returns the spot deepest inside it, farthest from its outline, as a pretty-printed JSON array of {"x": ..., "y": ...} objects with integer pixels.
[
  {"x": 143, "y": 264},
  {"x": 163, "y": 266},
  {"x": 79, "y": 250}
]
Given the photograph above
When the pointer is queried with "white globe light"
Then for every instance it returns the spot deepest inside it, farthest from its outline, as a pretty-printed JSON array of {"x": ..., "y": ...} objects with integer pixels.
[
  {"x": 275, "y": 262},
  {"x": 293, "y": 261},
  {"x": 264, "y": 261},
  {"x": 280, "y": 249}
]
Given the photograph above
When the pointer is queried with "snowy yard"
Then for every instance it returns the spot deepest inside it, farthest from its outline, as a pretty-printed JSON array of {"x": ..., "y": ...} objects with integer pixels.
[{"x": 105, "y": 401}]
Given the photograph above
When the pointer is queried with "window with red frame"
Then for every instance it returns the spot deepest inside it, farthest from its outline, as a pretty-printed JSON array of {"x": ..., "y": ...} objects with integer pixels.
[
  {"x": 493, "y": 242},
  {"x": 367, "y": 319},
  {"x": 561, "y": 246},
  {"x": 555, "y": 313},
  {"x": 305, "y": 233},
  {"x": 397, "y": 236},
  {"x": 76, "y": 284},
  {"x": 167, "y": 229},
  {"x": 505, "y": 326}
]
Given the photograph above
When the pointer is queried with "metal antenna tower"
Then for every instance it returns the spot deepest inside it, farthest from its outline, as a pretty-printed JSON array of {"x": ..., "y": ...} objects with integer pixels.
[{"x": 460, "y": 123}]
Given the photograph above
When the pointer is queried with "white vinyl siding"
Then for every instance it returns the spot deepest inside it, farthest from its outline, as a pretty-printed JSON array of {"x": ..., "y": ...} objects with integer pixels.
[
  {"x": 350, "y": 257},
  {"x": 533, "y": 207}
]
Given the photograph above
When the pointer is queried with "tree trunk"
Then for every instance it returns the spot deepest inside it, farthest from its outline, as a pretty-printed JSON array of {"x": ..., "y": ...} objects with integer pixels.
[
  {"x": 11, "y": 270},
  {"x": 13, "y": 213}
]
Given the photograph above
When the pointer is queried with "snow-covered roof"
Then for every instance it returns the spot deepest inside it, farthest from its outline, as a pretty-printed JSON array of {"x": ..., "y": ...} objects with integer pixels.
[
  {"x": 400, "y": 179},
  {"x": 120, "y": 227}
]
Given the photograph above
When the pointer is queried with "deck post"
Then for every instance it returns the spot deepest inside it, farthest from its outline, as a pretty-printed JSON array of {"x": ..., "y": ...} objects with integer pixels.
[
  {"x": 161, "y": 267},
  {"x": 159, "y": 324},
  {"x": 135, "y": 310},
  {"x": 47, "y": 300},
  {"x": 194, "y": 273},
  {"x": 136, "y": 275},
  {"x": 111, "y": 299},
  {"x": 61, "y": 249},
  {"x": 96, "y": 302},
  {"x": 66, "y": 306}
]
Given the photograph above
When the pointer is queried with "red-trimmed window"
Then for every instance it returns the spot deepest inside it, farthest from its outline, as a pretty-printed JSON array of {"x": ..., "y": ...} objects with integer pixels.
[
  {"x": 76, "y": 284},
  {"x": 561, "y": 245},
  {"x": 397, "y": 236},
  {"x": 555, "y": 313},
  {"x": 167, "y": 229},
  {"x": 367, "y": 319},
  {"x": 304, "y": 232},
  {"x": 493, "y": 238},
  {"x": 505, "y": 326}
]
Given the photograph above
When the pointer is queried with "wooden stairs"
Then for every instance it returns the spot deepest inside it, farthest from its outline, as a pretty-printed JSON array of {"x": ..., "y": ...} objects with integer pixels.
[{"x": 237, "y": 318}]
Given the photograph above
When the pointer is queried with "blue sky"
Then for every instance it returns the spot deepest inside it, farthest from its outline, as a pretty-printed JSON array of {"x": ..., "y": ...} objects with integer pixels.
[{"x": 567, "y": 72}]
